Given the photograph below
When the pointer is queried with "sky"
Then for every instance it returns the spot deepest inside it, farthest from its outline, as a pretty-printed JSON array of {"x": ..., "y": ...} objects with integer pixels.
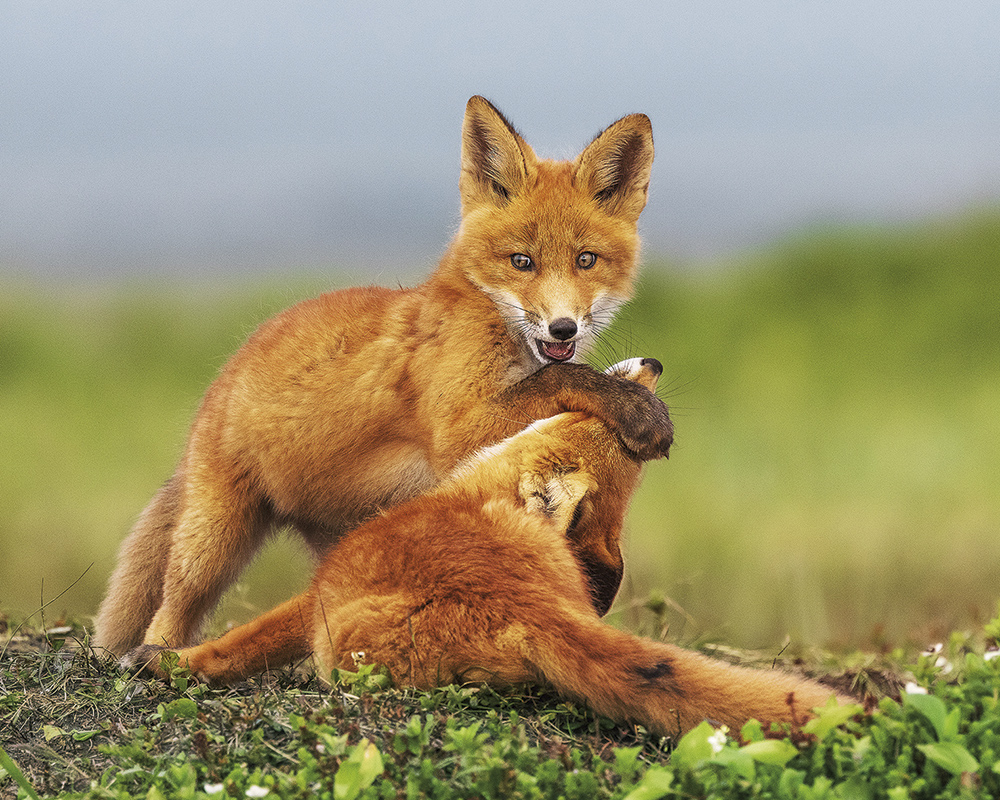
[{"x": 181, "y": 138}]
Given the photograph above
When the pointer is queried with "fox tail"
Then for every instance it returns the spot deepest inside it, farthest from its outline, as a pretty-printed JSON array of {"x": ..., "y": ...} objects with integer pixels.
[
  {"x": 135, "y": 590},
  {"x": 664, "y": 687}
]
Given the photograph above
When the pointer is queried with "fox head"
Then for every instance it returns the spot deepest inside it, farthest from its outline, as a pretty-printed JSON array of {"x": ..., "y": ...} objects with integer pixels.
[{"x": 552, "y": 243}]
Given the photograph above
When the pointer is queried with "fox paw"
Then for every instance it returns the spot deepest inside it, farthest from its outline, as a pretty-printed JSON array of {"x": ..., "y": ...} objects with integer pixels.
[
  {"x": 644, "y": 424},
  {"x": 643, "y": 420}
]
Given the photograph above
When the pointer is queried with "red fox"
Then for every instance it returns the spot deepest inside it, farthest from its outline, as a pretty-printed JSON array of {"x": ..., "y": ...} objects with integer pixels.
[
  {"x": 478, "y": 580},
  {"x": 357, "y": 400}
]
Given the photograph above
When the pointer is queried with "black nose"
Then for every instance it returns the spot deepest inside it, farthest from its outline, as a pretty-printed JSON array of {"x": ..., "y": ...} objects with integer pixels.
[{"x": 563, "y": 328}]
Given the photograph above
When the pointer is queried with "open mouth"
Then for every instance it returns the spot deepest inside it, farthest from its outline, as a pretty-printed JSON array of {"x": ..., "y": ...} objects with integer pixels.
[{"x": 556, "y": 351}]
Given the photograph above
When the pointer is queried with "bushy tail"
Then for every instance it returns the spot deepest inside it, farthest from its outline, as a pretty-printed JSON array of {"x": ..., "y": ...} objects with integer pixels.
[
  {"x": 666, "y": 688},
  {"x": 135, "y": 590}
]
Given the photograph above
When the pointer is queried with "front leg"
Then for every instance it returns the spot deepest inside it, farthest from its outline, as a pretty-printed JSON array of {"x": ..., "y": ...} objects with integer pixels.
[{"x": 639, "y": 419}]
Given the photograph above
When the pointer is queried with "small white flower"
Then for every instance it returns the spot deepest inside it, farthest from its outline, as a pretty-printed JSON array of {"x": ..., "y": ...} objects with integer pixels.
[
  {"x": 213, "y": 788},
  {"x": 718, "y": 739},
  {"x": 914, "y": 688},
  {"x": 989, "y": 655},
  {"x": 257, "y": 791},
  {"x": 940, "y": 662}
]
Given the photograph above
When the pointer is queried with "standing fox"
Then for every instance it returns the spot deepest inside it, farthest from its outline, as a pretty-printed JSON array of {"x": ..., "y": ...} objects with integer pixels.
[
  {"x": 358, "y": 400},
  {"x": 480, "y": 580}
]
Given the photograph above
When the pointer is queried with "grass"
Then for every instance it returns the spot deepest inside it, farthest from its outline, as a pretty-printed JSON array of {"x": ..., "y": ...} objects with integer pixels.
[{"x": 72, "y": 726}]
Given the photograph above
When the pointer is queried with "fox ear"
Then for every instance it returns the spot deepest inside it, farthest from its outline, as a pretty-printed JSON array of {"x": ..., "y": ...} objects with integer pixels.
[
  {"x": 495, "y": 159},
  {"x": 614, "y": 168}
]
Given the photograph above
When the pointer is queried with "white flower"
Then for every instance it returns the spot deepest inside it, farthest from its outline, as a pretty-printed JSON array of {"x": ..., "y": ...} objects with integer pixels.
[
  {"x": 989, "y": 655},
  {"x": 257, "y": 791},
  {"x": 213, "y": 788},
  {"x": 914, "y": 688},
  {"x": 718, "y": 739},
  {"x": 940, "y": 662}
]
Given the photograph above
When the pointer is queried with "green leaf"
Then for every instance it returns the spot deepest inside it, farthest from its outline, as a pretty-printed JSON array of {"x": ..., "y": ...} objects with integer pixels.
[
  {"x": 736, "y": 760},
  {"x": 790, "y": 782},
  {"x": 771, "y": 751},
  {"x": 347, "y": 781},
  {"x": 654, "y": 784},
  {"x": 358, "y": 771},
  {"x": 627, "y": 763},
  {"x": 182, "y": 708},
  {"x": 830, "y": 716},
  {"x": 752, "y": 731},
  {"x": 932, "y": 708},
  {"x": 950, "y": 756},
  {"x": 51, "y": 732},
  {"x": 693, "y": 747},
  {"x": 855, "y": 788},
  {"x": 154, "y": 794}
]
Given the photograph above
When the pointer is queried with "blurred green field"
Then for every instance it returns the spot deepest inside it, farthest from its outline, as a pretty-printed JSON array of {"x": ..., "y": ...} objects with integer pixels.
[{"x": 836, "y": 477}]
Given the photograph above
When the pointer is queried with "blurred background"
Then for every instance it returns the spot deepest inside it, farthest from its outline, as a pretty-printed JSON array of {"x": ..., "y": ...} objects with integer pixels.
[{"x": 820, "y": 280}]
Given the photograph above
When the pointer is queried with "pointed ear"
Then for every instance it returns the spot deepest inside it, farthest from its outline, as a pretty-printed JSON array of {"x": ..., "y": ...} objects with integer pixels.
[
  {"x": 496, "y": 161},
  {"x": 614, "y": 168}
]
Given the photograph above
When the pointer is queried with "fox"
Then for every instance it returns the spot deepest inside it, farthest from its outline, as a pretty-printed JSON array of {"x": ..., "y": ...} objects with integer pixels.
[
  {"x": 480, "y": 580},
  {"x": 357, "y": 400}
]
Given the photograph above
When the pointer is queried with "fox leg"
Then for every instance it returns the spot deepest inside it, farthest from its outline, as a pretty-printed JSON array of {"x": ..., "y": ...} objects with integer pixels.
[
  {"x": 639, "y": 418},
  {"x": 279, "y": 637},
  {"x": 216, "y": 535}
]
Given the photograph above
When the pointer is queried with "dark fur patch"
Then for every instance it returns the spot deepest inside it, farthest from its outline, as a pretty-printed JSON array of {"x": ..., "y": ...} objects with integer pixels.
[
  {"x": 602, "y": 580},
  {"x": 662, "y": 669}
]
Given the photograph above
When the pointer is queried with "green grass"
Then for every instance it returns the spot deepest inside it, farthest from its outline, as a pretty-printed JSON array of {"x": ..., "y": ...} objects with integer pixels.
[
  {"x": 834, "y": 480},
  {"x": 72, "y": 726}
]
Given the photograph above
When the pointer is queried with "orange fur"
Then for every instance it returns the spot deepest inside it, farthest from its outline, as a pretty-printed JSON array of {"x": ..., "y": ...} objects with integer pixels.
[
  {"x": 481, "y": 579},
  {"x": 357, "y": 400}
]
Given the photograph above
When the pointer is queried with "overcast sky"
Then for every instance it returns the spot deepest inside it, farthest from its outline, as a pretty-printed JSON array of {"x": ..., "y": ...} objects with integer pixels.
[{"x": 178, "y": 137}]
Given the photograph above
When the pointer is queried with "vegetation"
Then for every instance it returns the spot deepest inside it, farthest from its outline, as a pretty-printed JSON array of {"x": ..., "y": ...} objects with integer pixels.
[{"x": 72, "y": 726}]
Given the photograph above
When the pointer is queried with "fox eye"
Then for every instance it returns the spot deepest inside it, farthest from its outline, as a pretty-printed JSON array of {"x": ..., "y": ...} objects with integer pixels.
[
  {"x": 586, "y": 260},
  {"x": 522, "y": 262}
]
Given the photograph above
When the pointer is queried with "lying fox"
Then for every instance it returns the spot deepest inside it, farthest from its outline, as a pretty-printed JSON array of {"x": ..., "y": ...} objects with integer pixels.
[
  {"x": 358, "y": 400},
  {"x": 478, "y": 580}
]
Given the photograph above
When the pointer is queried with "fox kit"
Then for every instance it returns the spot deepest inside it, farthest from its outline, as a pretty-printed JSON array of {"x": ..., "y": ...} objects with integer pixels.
[
  {"x": 357, "y": 400},
  {"x": 480, "y": 579}
]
